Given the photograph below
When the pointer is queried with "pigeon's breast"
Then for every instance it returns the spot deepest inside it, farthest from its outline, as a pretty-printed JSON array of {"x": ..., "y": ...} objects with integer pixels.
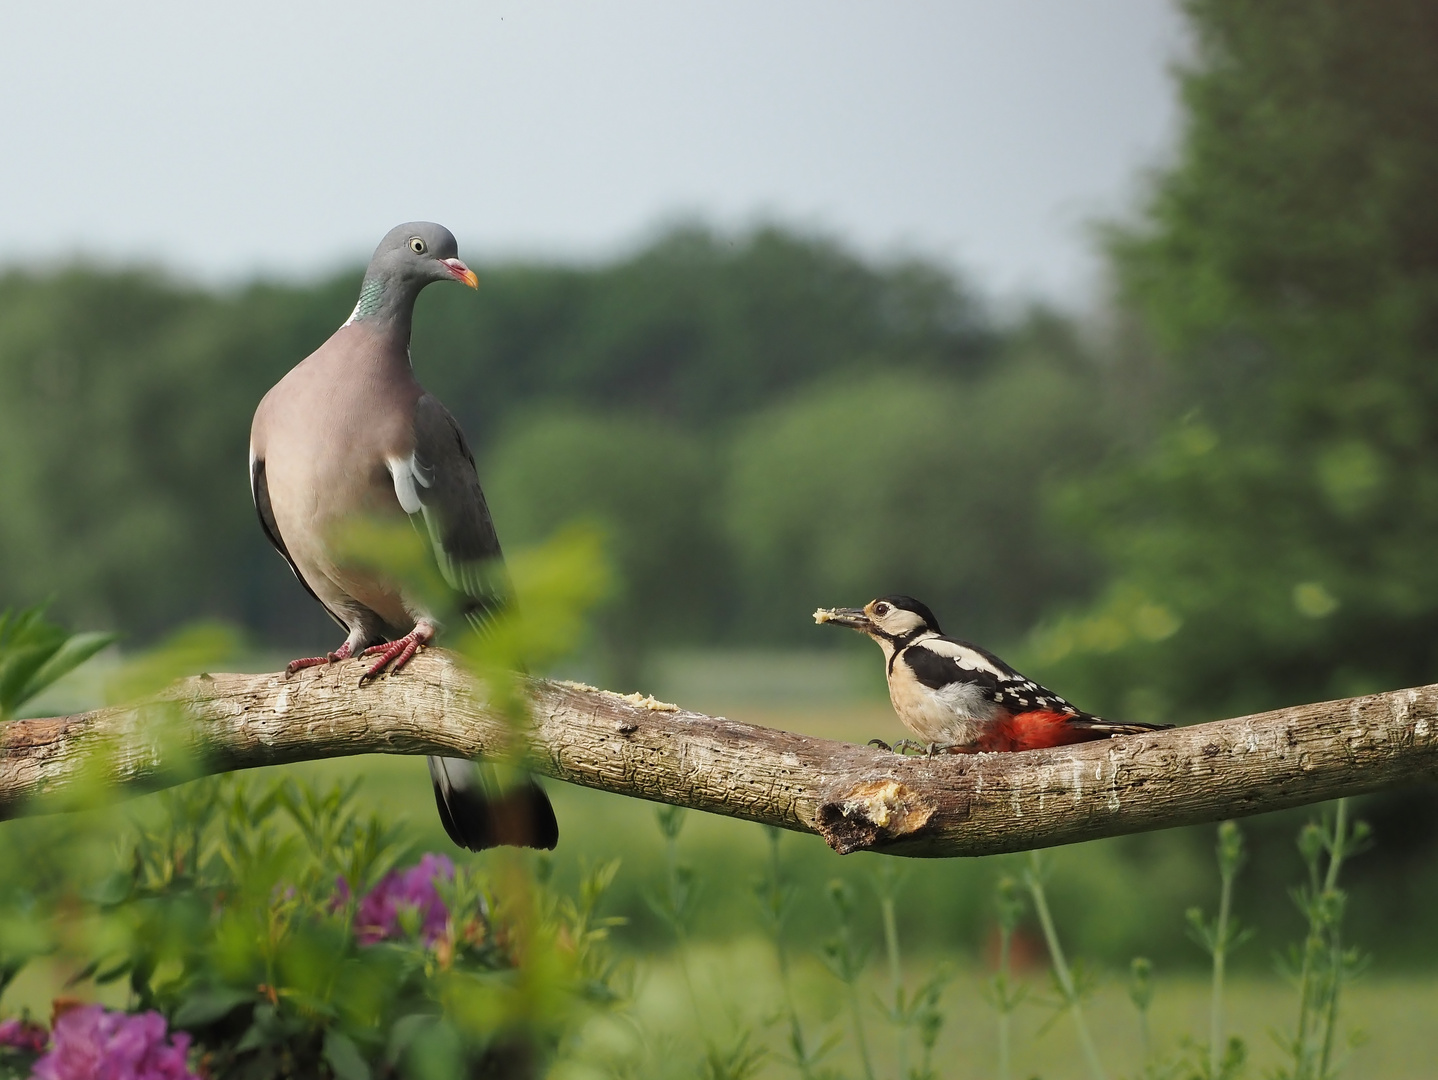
[{"x": 325, "y": 432}]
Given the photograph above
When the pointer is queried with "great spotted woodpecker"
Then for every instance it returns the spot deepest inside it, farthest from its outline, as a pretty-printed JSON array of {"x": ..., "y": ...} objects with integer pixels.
[{"x": 958, "y": 698}]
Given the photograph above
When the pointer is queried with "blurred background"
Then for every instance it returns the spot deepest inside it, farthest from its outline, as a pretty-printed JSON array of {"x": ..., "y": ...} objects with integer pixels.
[{"x": 1107, "y": 328}]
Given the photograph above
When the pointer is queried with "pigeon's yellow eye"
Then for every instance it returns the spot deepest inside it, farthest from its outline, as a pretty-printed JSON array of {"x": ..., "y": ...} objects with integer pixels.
[{"x": 416, "y": 245}]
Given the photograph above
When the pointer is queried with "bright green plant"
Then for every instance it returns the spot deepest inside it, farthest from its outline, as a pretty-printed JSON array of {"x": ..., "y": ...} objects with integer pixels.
[
  {"x": 35, "y": 653},
  {"x": 776, "y": 896},
  {"x": 268, "y": 922},
  {"x": 1069, "y": 981},
  {"x": 1004, "y": 993},
  {"x": 848, "y": 959},
  {"x": 1321, "y": 965},
  {"x": 908, "y": 1012},
  {"x": 1219, "y": 938}
]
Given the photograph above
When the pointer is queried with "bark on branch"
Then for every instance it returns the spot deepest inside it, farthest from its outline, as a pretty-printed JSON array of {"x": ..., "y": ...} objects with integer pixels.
[{"x": 855, "y": 797}]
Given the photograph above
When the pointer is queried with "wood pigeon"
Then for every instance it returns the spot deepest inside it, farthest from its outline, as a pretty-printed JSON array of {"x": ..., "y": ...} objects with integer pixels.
[{"x": 349, "y": 435}]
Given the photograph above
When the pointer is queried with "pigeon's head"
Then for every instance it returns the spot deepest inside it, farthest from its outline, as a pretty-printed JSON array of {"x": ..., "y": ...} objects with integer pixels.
[{"x": 418, "y": 252}]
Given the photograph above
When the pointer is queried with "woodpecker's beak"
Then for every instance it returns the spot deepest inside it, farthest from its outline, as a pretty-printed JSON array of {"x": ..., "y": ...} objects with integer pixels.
[{"x": 853, "y": 618}]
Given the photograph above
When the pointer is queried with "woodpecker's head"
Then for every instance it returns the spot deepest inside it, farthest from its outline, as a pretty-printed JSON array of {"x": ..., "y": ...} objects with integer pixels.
[{"x": 892, "y": 619}]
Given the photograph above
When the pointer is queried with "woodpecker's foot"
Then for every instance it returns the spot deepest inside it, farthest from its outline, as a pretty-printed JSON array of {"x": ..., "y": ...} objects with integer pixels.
[
  {"x": 342, "y": 653},
  {"x": 904, "y": 746},
  {"x": 396, "y": 654}
]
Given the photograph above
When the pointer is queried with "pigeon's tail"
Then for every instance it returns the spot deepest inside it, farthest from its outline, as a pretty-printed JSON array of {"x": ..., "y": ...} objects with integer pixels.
[{"x": 478, "y": 815}]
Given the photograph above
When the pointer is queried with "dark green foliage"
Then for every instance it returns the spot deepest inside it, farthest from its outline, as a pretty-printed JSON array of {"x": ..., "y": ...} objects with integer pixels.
[
  {"x": 124, "y": 421},
  {"x": 651, "y": 489},
  {"x": 1280, "y": 532},
  {"x": 898, "y": 482},
  {"x": 696, "y": 328}
]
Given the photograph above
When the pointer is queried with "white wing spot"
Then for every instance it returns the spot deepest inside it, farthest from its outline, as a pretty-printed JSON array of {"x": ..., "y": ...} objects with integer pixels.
[{"x": 405, "y": 476}]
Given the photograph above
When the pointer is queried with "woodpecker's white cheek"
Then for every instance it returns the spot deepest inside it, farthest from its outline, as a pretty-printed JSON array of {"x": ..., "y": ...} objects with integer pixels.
[{"x": 899, "y": 622}]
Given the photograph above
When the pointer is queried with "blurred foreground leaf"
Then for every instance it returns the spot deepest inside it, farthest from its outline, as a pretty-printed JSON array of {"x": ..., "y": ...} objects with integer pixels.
[{"x": 35, "y": 653}]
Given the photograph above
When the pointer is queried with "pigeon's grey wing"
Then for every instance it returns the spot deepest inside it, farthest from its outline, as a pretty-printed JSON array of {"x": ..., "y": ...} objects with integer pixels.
[
  {"x": 477, "y": 812},
  {"x": 440, "y": 483}
]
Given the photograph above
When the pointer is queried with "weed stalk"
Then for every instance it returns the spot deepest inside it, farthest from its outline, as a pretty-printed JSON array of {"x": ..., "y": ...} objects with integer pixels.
[
  {"x": 1003, "y": 993},
  {"x": 1219, "y": 938},
  {"x": 1033, "y": 878}
]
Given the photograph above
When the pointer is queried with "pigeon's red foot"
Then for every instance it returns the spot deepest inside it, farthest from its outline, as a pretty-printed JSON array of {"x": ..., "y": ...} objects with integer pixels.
[
  {"x": 396, "y": 654},
  {"x": 342, "y": 653}
]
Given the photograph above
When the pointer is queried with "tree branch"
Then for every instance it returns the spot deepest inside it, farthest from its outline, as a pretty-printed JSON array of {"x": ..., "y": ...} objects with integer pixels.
[{"x": 856, "y": 797}]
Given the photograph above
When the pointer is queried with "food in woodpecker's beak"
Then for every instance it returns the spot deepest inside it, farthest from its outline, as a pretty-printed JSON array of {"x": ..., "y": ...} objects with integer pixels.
[{"x": 853, "y": 618}]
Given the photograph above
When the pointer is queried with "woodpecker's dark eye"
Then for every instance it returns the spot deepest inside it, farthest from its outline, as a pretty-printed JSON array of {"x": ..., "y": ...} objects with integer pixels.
[
  {"x": 416, "y": 245},
  {"x": 881, "y": 610}
]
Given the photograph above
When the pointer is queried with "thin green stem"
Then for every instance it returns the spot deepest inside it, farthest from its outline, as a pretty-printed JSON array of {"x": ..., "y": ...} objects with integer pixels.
[
  {"x": 1330, "y": 886},
  {"x": 1220, "y": 955},
  {"x": 1061, "y": 968},
  {"x": 896, "y": 975},
  {"x": 681, "y": 936},
  {"x": 1002, "y": 996},
  {"x": 781, "y": 956},
  {"x": 1339, "y": 850},
  {"x": 859, "y": 1036}
]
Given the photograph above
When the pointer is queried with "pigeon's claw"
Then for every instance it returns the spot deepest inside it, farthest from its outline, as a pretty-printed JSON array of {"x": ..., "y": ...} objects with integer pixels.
[
  {"x": 879, "y": 744},
  {"x": 342, "y": 653},
  {"x": 397, "y": 653}
]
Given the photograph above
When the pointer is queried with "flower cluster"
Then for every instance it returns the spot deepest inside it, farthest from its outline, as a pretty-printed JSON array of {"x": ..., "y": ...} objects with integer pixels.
[
  {"x": 90, "y": 1043},
  {"x": 23, "y": 1035},
  {"x": 379, "y": 912}
]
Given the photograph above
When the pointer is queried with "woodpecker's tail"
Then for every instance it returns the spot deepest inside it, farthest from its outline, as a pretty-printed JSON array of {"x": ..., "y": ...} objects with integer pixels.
[
  {"x": 477, "y": 814},
  {"x": 1102, "y": 729}
]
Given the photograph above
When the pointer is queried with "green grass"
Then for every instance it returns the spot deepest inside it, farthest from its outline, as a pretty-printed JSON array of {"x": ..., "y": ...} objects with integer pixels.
[{"x": 736, "y": 985}]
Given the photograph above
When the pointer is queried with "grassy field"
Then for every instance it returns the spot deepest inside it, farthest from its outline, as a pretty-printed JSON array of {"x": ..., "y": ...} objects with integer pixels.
[{"x": 736, "y": 987}]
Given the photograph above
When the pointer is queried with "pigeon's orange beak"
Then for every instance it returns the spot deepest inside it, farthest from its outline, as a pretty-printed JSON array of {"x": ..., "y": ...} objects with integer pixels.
[{"x": 462, "y": 273}]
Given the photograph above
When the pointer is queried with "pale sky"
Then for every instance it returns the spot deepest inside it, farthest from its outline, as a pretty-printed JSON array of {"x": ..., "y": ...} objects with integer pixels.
[{"x": 285, "y": 137}]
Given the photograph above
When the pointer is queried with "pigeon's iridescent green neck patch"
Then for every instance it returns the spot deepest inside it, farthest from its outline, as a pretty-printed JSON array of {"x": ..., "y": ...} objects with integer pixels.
[{"x": 370, "y": 298}]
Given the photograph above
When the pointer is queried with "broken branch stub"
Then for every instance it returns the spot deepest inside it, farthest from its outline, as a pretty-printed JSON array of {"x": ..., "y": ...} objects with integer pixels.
[{"x": 855, "y": 797}]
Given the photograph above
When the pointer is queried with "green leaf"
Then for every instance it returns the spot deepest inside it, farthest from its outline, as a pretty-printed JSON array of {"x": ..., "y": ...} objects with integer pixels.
[
  {"x": 111, "y": 889},
  {"x": 75, "y": 651},
  {"x": 404, "y": 1031},
  {"x": 206, "y": 1006},
  {"x": 344, "y": 1057},
  {"x": 111, "y": 974}
]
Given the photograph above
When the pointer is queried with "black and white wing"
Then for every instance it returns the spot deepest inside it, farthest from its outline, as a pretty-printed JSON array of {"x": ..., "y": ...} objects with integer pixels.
[{"x": 938, "y": 662}]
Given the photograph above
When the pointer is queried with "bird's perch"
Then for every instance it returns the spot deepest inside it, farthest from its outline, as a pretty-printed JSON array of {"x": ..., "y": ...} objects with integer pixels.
[{"x": 855, "y": 797}]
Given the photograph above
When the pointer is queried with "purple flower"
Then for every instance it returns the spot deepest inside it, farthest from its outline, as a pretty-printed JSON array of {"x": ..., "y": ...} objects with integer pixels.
[
  {"x": 378, "y": 915},
  {"x": 92, "y": 1043},
  {"x": 23, "y": 1035}
]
